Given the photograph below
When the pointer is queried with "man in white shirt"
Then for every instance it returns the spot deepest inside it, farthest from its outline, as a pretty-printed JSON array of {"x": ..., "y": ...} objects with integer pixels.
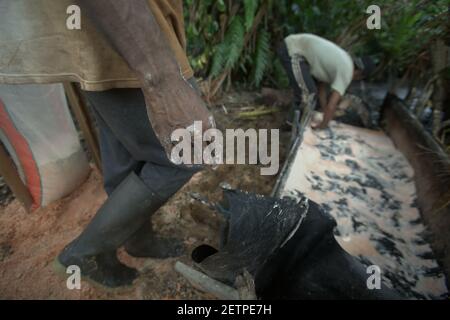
[{"x": 308, "y": 58}]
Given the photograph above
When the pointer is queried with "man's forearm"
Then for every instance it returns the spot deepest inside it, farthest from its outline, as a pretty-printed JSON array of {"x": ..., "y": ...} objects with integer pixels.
[
  {"x": 328, "y": 115},
  {"x": 131, "y": 28},
  {"x": 322, "y": 96},
  {"x": 330, "y": 110},
  {"x": 133, "y": 31}
]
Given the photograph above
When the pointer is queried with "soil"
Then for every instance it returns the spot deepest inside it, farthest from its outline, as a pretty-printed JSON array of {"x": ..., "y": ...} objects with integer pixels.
[
  {"x": 29, "y": 242},
  {"x": 6, "y": 195}
]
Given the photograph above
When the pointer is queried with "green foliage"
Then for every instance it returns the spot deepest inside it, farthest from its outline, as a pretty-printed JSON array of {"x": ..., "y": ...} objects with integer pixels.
[
  {"x": 406, "y": 33},
  {"x": 218, "y": 60},
  {"x": 222, "y": 40},
  {"x": 202, "y": 28},
  {"x": 250, "y": 7},
  {"x": 234, "y": 41},
  {"x": 327, "y": 18},
  {"x": 262, "y": 57},
  {"x": 228, "y": 52}
]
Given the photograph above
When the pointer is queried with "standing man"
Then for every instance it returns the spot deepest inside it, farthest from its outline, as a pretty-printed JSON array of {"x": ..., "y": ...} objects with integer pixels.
[
  {"x": 129, "y": 58},
  {"x": 308, "y": 58}
]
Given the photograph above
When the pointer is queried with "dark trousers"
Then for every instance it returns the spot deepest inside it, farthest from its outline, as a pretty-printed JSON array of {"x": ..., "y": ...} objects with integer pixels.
[
  {"x": 128, "y": 143},
  {"x": 297, "y": 69}
]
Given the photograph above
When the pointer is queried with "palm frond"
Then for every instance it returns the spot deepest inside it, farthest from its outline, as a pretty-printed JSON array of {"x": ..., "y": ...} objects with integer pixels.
[
  {"x": 234, "y": 42},
  {"x": 250, "y": 7},
  {"x": 262, "y": 58}
]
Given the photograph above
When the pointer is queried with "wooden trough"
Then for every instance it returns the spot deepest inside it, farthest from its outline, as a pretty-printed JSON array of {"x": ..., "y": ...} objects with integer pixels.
[
  {"x": 431, "y": 166},
  {"x": 428, "y": 174}
]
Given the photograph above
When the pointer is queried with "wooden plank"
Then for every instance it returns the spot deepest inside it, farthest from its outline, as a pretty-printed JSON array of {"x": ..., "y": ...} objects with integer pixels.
[
  {"x": 9, "y": 172},
  {"x": 80, "y": 110},
  {"x": 206, "y": 284},
  {"x": 431, "y": 166}
]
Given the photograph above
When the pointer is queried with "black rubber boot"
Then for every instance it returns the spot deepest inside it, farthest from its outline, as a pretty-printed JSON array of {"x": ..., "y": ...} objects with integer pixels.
[
  {"x": 122, "y": 214},
  {"x": 288, "y": 247},
  {"x": 145, "y": 244},
  {"x": 312, "y": 265}
]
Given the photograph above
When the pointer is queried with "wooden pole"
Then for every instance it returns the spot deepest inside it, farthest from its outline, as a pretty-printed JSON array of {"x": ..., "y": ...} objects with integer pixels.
[
  {"x": 81, "y": 112},
  {"x": 9, "y": 172},
  {"x": 204, "y": 283}
]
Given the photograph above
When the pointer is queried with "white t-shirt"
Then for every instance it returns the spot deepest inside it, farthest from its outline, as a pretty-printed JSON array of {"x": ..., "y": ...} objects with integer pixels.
[{"x": 328, "y": 62}]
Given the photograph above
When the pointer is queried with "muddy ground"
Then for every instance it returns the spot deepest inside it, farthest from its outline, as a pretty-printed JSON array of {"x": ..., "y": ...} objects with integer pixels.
[{"x": 29, "y": 242}]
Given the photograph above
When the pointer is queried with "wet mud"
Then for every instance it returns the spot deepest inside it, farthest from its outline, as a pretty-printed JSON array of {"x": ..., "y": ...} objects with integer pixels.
[{"x": 360, "y": 178}]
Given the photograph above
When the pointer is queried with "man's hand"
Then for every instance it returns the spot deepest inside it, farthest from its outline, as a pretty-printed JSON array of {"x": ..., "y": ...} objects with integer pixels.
[
  {"x": 172, "y": 105},
  {"x": 320, "y": 126},
  {"x": 329, "y": 111},
  {"x": 322, "y": 96}
]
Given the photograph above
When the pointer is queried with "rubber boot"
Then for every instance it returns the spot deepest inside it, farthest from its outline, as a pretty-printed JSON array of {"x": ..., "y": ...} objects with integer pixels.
[
  {"x": 288, "y": 247},
  {"x": 145, "y": 244},
  {"x": 122, "y": 214},
  {"x": 313, "y": 266}
]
